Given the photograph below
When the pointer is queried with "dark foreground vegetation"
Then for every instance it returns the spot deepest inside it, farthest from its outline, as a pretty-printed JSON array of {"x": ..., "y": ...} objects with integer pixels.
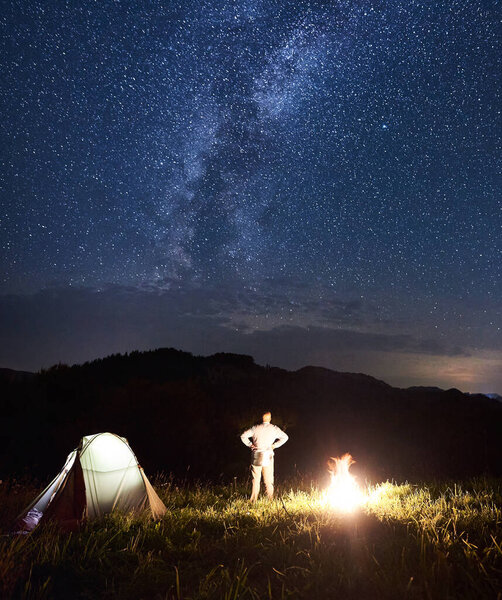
[
  {"x": 438, "y": 541},
  {"x": 184, "y": 414}
]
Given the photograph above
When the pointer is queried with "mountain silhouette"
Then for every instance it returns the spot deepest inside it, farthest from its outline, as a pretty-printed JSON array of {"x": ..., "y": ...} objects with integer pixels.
[{"x": 184, "y": 414}]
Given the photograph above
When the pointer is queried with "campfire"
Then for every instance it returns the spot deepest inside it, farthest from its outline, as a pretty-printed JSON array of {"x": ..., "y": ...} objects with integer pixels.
[{"x": 343, "y": 493}]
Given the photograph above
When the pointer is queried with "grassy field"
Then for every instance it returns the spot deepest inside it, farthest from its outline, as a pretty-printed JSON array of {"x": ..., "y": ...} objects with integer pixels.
[{"x": 431, "y": 541}]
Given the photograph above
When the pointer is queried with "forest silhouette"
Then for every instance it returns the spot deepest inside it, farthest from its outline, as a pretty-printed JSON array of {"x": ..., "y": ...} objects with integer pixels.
[{"x": 183, "y": 414}]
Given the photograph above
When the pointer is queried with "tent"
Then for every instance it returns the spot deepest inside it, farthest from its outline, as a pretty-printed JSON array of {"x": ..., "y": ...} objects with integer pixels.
[{"x": 101, "y": 475}]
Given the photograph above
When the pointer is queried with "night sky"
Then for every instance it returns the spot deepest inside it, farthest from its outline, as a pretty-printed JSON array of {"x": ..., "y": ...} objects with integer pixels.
[{"x": 307, "y": 182}]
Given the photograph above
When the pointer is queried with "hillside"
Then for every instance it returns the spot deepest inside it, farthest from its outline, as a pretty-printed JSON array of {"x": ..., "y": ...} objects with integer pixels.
[{"x": 184, "y": 413}]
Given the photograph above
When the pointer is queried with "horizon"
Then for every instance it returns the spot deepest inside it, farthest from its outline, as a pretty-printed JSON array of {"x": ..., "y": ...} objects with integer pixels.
[
  {"x": 300, "y": 182},
  {"x": 259, "y": 364}
]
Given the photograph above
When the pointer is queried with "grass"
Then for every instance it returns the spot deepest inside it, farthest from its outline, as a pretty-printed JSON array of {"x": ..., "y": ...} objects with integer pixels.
[{"x": 407, "y": 542}]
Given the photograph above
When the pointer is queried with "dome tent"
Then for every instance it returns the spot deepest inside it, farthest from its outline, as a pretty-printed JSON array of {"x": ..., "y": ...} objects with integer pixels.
[{"x": 101, "y": 475}]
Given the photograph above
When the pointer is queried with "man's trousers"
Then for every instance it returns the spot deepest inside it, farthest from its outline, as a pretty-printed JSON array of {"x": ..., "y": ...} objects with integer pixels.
[{"x": 268, "y": 480}]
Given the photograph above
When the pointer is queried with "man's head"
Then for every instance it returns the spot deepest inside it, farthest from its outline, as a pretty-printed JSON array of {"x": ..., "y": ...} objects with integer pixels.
[{"x": 267, "y": 417}]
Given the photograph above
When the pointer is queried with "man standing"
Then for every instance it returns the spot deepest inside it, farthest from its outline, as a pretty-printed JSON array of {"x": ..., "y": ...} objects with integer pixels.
[{"x": 263, "y": 439}]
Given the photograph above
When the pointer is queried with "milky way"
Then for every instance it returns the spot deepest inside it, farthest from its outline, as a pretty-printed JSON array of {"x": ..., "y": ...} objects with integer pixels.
[{"x": 306, "y": 166}]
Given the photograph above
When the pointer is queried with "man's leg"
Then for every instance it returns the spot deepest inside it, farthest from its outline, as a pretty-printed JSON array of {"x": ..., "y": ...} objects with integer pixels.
[
  {"x": 256, "y": 473},
  {"x": 268, "y": 478}
]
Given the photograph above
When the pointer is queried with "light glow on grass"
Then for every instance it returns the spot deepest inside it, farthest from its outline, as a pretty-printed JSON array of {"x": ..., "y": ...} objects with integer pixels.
[{"x": 437, "y": 540}]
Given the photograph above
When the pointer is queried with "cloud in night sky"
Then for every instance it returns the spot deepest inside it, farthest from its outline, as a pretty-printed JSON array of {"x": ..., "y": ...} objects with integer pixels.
[
  {"x": 304, "y": 181},
  {"x": 75, "y": 325}
]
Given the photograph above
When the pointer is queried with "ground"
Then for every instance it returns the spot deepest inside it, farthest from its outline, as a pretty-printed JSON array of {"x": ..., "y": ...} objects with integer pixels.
[{"x": 441, "y": 540}]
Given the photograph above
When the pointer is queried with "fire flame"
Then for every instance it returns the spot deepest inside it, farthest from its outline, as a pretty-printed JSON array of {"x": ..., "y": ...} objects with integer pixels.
[{"x": 343, "y": 493}]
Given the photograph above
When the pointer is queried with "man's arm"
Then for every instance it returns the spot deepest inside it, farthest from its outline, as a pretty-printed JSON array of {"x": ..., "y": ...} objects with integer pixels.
[
  {"x": 245, "y": 437},
  {"x": 282, "y": 438}
]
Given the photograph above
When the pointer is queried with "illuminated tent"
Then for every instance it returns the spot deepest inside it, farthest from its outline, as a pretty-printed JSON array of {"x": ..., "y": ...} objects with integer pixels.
[{"x": 101, "y": 475}]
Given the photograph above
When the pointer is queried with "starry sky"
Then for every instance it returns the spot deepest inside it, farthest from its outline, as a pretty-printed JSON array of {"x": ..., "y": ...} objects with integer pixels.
[{"x": 308, "y": 182}]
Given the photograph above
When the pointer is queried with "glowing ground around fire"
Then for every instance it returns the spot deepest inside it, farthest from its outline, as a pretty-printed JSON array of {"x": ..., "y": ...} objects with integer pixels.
[{"x": 404, "y": 541}]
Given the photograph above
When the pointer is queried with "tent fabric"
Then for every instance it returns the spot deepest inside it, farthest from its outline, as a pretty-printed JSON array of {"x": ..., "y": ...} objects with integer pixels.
[
  {"x": 100, "y": 476},
  {"x": 31, "y": 515},
  {"x": 157, "y": 506},
  {"x": 112, "y": 476},
  {"x": 68, "y": 505}
]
